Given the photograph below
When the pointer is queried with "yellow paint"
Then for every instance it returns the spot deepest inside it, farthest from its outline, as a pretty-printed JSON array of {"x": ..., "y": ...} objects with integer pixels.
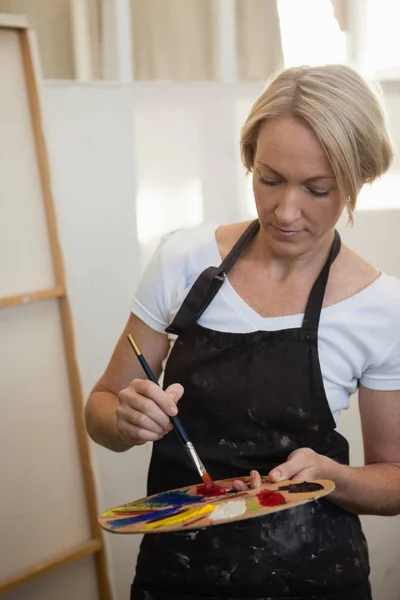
[
  {"x": 122, "y": 509},
  {"x": 184, "y": 516}
]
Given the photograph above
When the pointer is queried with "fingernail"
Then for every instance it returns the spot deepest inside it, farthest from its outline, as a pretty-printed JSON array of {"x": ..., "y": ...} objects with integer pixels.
[
  {"x": 173, "y": 410},
  {"x": 276, "y": 475}
]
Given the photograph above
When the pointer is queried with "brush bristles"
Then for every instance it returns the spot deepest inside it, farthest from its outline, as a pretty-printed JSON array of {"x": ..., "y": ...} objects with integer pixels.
[{"x": 208, "y": 482}]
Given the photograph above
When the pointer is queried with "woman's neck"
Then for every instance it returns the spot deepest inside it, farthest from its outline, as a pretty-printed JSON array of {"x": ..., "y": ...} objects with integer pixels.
[{"x": 282, "y": 267}]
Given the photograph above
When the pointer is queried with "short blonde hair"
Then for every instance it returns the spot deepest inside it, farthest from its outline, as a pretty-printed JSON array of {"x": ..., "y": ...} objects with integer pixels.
[{"x": 344, "y": 113}]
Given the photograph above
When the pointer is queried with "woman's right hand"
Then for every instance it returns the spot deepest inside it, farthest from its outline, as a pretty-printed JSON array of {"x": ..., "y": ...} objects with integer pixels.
[{"x": 144, "y": 409}]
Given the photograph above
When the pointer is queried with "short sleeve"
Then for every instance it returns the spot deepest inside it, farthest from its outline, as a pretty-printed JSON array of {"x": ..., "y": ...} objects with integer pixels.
[
  {"x": 154, "y": 294},
  {"x": 385, "y": 375}
]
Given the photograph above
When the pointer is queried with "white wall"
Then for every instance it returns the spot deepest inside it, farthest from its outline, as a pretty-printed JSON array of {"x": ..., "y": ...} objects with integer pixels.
[
  {"x": 91, "y": 143},
  {"x": 375, "y": 236}
]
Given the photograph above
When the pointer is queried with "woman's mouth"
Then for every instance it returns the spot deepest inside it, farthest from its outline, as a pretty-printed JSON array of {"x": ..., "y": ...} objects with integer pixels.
[{"x": 286, "y": 232}]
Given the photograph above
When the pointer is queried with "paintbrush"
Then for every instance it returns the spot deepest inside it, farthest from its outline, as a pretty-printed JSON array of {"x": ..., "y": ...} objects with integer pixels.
[{"x": 190, "y": 449}]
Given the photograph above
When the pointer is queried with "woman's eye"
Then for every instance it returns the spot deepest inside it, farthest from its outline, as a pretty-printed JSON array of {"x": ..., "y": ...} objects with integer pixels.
[
  {"x": 269, "y": 182},
  {"x": 318, "y": 193}
]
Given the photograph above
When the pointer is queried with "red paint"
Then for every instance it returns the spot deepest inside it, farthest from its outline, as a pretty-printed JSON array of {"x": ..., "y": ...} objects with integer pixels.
[
  {"x": 268, "y": 498},
  {"x": 208, "y": 482},
  {"x": 210, "y": 491},
  {"x": 129, "y": 513}
]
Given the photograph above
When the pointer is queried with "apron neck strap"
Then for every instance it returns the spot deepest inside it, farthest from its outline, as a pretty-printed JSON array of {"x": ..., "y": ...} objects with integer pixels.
[
  {"x": 240, "y": 245},
  {"x": 208, "y": 284},
  {"x": 314, "y": 305}
]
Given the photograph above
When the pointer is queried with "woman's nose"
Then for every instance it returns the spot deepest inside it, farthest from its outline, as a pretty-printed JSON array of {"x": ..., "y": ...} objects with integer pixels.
[{"x": 287, "y": 210}]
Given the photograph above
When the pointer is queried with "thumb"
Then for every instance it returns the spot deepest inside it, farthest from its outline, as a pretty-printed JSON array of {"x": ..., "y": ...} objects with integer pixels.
[
  {"x": 175, "y": 392},
  {"x": 296, "y": 462}
]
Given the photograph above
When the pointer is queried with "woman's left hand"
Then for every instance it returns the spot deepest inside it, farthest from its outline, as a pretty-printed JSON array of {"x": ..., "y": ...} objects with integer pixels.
[{"x": 302, "y": 464}]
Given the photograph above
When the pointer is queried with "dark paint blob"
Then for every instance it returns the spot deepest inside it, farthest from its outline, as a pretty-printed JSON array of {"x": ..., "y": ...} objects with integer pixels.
[
  {"x": 305, "y": 486},
  {"x": 210, "y": 491},
  {"x": 268, "y": 498}
]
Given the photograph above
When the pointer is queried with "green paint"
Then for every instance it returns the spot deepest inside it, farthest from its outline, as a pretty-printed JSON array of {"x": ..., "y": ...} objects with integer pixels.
[{"x": 252, "y": 504}]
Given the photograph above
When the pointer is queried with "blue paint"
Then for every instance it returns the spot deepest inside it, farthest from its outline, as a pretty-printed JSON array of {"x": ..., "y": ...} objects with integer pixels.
[
  {"x": 177, "y": 498},
  {"x": 150, "y": 515}
]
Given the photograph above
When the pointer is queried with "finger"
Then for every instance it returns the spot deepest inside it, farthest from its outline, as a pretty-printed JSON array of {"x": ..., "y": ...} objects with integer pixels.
[
  {"x": 255, "y": 480},
  {"x": 135, "y": 436},
  {"x": 149, "y": 408},
  {"x": 175, "y": 392},
  {"x": 131, "y": 400},
  {"x": 239, "y": 486},
  {"x": 143, "y": 421},
  {"x": 297, "y": 462},
  {"x": 166, "y": 402}
]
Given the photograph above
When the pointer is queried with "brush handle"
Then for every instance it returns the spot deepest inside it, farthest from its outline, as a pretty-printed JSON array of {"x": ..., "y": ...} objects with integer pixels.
[
  {"x": 190, "y": 449},
  {"x": 176, "y": 422}
]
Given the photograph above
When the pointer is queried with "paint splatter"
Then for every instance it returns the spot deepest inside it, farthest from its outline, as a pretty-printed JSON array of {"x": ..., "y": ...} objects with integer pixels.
[
  {"x": 210, "y": 492},
  {"x": 145, "y": 516},
  {"x": 183, "y": 516},
  {"x": 252, "y": 504},
  {"x": 305, "y": 486},
  {"x": 268, "y": 498},
  {"x": 229, "y": 510},
  {"x": 177, "y": 498}
]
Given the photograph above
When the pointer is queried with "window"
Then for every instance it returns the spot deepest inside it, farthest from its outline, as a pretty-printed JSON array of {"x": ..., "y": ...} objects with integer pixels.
[
  {"x": 380, "y": 54},
  {"x": 310, "y": 33}
]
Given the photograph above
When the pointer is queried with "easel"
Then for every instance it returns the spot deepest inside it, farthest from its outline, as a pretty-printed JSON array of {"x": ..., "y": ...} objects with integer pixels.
[{"x": 16, "y": 28}]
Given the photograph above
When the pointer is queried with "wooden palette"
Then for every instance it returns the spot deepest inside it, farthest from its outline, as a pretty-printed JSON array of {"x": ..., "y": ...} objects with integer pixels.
[{"x": 188, "y": 508}]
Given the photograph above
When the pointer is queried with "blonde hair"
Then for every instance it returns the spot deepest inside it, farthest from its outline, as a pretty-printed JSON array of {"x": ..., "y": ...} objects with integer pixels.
[{"x": 344, "y": 113}]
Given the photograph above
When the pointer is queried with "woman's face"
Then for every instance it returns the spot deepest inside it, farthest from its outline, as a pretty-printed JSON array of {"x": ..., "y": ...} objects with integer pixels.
[{"x": 295, "y": 190}]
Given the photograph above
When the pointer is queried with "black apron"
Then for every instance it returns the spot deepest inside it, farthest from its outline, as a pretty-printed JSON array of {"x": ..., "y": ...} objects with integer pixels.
[{"x": 250, "y": 400}]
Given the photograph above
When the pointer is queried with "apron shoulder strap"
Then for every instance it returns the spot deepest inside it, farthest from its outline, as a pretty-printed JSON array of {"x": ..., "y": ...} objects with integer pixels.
[
  {"x": 316, "y": 297},
  {"x": 208, "y": 284}
]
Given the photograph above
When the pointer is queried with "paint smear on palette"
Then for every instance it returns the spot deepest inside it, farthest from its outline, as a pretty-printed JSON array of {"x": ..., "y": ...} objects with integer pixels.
[
  {"x": 177, "y": 498},
  {"x": 210, "y": 491},
  {"x": 124, "y": 512},
  {"x": 268, "y": 498},
  {"x": 183, "y": 516},
  {"x": 252, "y": 504},
  {"x": 135, "y": 508},
  {"x": 304, "y": 486},
  {"x": 147, "y": 515},
  {"x": 229, "y": 510}
]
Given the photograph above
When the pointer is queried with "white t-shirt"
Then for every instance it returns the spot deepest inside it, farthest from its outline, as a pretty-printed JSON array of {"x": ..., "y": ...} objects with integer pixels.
[{"x": 358, "y": 338}]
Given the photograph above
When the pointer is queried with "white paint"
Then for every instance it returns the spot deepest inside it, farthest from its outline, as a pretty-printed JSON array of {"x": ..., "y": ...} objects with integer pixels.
[{"x": 228, "y": 510}]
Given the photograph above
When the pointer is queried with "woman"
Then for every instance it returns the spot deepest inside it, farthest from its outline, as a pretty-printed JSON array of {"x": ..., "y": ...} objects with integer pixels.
[{"x": 270, "y": 345}]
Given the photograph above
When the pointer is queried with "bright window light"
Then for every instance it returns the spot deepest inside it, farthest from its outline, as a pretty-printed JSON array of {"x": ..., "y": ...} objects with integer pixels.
[
  {"x": 310, "y": 33},
  {"x": 163, "y": 209},
  {"x": 383, "y": 194},
  {"x": 382, "y": 40},
  {"x": 169, "y": 178}
]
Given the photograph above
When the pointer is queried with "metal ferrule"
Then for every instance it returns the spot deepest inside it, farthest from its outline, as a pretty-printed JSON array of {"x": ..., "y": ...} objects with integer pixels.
[{"x": 195, "y": 458}]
